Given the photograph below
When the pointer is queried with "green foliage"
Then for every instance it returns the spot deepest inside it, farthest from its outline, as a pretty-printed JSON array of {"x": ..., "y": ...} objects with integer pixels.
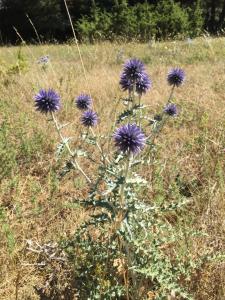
[
  {"x": 140, "y": 242},
  {"x": 95, "y": 27},
  {"x": 196, "y": 19},
  {"x": 133, "y": 239},
  {"x": 101, "y": 19},
  {"x": 145, "y": 21},
  {"x": 124, "y": 21},
  {"x": 165, "y": 20},
  {"x": 94, "y": 266},
  {"x": 171, "y": 19}
]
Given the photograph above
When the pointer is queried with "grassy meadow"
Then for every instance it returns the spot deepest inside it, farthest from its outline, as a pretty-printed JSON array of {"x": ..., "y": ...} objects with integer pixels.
[{"x": 35, "y": 205}]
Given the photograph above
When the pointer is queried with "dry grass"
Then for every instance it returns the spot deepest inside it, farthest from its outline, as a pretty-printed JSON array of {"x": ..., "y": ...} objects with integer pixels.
[{"x": 33, "y": 203}]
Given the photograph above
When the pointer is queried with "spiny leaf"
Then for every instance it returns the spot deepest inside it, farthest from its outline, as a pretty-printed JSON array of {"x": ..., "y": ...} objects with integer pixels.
[
  {"x": 61, "y": 147},
  {"x": 66, "y": 169},
  {"x": 129, "y": 112}
]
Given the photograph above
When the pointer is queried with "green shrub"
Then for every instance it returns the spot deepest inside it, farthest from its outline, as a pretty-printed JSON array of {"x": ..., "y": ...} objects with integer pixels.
[
  {"x": 196, "y": 19},
  {"x": 171, "y": 19},
  {"x": 95, "y": 27},
  {"x": 164, "y": 20},
  {"x": 124, "y": 21},
  {"x": 145, "y": 21}
]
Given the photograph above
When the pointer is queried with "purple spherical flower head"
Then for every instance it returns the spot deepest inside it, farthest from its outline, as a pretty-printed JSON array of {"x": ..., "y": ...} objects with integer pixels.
[
  {"x": 143, "y": 83},
  {"x": 176, "y": 77},
  {"x": 83, "y": 102},
  {"x": 89, "y": 118},
  {"x": 44, "y": 59},
  {"x": 129, "y": 139},
  {"x": 47, "y": 101},
  {"x": 171, "y": 109},
  {"x": 133, "y": 68},
  {"x": 126, "y": 84}
]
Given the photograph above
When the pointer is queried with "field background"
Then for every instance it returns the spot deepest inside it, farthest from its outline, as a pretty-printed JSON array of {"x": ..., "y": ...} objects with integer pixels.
[{"x": 35, "y": 205}]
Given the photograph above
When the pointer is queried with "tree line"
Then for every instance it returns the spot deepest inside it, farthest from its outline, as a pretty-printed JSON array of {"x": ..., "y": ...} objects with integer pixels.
[{"x": 95, "y": 20}]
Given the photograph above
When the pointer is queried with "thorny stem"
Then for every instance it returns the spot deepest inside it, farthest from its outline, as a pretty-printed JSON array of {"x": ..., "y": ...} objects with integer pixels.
[
  {"x": 74, "y": 162},
  {"x": 133, "y": 94},
  {"x": 130, "y": 104},
  {"x": 154, "y": 134},
  {"x": 129, "y": 99},
  {"x": 171, "y": 93},
  {"x": 126, "y": 245},
  {"x": 122, "y": 203},
  {"x": 113, "y": 125},
  {"x": 140, "y": 111},
  {"x": 100, "y": 148},
  {"x": 125, "y": 175}
]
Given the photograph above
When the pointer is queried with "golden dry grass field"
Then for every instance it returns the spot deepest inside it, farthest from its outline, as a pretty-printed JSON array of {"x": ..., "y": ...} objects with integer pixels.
[{"x": 35, "y": 205}]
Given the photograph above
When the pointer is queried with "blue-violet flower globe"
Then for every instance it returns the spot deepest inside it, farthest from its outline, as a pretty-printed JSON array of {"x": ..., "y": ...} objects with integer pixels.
[
  {"x": 47, "y": 101},
  {"x": 176, "y": 77},
  {"x": 133, "y": 68},
  {"x": 143, "y": 83},
  {"x": 44, "y": 59},
  {"x": 83, "y": 102},
  {"x": 171, "y": 109},
  {"x": 89, "y": 118},
  {"x": 129, "y": 139}
]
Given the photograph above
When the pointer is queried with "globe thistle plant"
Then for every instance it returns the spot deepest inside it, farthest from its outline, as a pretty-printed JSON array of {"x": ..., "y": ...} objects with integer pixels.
[
  {"x": 125, "y": 83},
  {"x": 133, "y": 68},
  {"x": 83, "y": 102},
  {"x": 176, "y": 77},
  {"x": 171, "y": 109},
  {"x": 129, "y": 139},
  {"x": 47, "y": 101},
  {"x": 89, "y": 118},
  {"x": 115, "y": 190},
  {"x": 143, "y": 83}
]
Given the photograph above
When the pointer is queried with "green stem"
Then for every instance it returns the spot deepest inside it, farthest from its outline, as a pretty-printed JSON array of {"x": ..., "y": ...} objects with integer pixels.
[
  {"x": 133, "y": 94},
  {"x": 126, "y": 245},
  {"x": 155, "y": 133},
  {"x": 125, "y": 175},
  {"x": 129, "y": 99},
  {"x": 140, "y": 111},
  {"x": 171, "y": 94},
  {"x": 74, "y": 162},
  {"x": 130, "y": 104},
  {"x": 104, "y": 158}
]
